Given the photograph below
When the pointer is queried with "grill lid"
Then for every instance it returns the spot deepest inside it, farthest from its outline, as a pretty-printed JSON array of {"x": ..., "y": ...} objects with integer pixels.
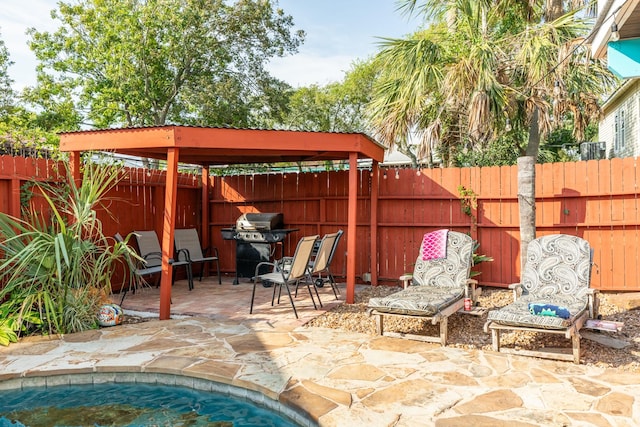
[{"x": 260, "y": 221}]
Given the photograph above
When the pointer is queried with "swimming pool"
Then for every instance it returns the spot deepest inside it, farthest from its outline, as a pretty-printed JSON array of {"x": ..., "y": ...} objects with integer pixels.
[{"x": 130, "y": 404}]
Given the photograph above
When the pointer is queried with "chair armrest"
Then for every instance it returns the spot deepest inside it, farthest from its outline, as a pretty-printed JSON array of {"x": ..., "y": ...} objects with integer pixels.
[
  {"x": 407, "y": 280},
  {"x": 517, "y": 290},
  {"x": 256, "y": 276},
  {"x": 213, "y": 251},
  {"x": 150, "y": 255},
  {"x": 470, "y": 290},
  {"x": 184, "y": 252}
]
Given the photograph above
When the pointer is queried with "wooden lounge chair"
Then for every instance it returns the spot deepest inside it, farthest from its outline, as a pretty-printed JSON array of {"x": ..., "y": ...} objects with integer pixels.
[
  {"x": 436, "y": 289},
  {"x": 187, "y": 240},
  {"x": 554, "y": 296}
]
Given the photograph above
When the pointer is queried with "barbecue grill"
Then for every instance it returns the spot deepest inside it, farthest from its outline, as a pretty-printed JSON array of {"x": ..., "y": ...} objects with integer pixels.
[{"x": 256, "y": 236}]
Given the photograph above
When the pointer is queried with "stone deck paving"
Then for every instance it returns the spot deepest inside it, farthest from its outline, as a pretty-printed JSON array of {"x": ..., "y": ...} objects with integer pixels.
[{"x": 335, "y": 378}]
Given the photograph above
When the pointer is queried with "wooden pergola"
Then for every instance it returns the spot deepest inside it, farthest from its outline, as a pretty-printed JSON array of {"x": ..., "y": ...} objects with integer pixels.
[{"x": 207, "y": 147}]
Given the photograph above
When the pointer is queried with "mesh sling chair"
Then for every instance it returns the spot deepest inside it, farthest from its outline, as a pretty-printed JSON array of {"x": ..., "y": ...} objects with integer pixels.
[
  {"x": 138, "y": 268},
  {"x": 322, "y": 261},
  {"x": 150, "y": 251},
  {"x": 297, "y": 270},
  {"x": 436, "y": 289},
  {"x": 554, "y": 295},
  {"x": 187, "y": 241}
]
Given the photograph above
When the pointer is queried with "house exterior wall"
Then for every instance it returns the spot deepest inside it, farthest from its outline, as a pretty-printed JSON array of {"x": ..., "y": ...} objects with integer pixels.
[{"x": 619, "y": 127}]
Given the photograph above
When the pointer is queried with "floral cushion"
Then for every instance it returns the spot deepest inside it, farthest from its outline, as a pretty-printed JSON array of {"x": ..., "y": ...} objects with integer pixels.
[
  {"x": 557, "y": 273},
  {"x": 557, "y": 264},
  {"x": 452, "y": 271},
  {"x": 418, "y": 300}
]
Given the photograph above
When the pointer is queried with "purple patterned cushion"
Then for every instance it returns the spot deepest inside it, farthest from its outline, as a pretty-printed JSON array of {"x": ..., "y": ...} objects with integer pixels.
[{"x": 434, "y": 245}]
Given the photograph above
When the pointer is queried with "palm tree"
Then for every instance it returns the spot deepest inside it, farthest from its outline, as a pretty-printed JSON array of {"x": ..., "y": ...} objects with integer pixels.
[{"x": 483, "y": 69}]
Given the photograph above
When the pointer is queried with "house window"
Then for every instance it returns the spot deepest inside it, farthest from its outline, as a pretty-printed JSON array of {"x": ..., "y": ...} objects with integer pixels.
[{"x": 619, "y": 132}]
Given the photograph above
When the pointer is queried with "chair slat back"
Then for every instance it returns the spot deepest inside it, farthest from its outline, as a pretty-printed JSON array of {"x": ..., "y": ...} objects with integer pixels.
[
  {"x": 557, "y": 264},
  {"x": 300, "y": 262},
  {"x": 452, "y": 271},
  {"x": 187, "y": 238}
]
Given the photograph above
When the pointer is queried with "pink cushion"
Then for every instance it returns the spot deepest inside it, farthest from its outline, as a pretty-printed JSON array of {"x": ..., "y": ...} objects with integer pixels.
[{"x": 434, "y": 245}]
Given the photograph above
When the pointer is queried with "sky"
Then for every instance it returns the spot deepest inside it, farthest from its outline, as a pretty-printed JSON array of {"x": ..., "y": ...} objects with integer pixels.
[{"x": 338, "y": 33}]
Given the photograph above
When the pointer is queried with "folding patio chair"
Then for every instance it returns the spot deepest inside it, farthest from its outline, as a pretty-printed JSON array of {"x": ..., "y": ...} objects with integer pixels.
[
  {"x": 554, "y": 295},
  {"x": 437, "y": 288},
  {"x": 298, "y": 269},
  {"x": 137, "y": 269},
  {"x": 150, "y": 251},
  {"x": 321, "y": 261},
  {"x": 187, "y": 240}
]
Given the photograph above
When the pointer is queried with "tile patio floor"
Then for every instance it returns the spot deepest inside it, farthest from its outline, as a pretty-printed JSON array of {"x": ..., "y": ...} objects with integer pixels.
[{"x": 334, "y": 378}]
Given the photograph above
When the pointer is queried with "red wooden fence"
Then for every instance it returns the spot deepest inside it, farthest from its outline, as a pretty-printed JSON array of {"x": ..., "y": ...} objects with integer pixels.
[{"x": 596, "y": 200}]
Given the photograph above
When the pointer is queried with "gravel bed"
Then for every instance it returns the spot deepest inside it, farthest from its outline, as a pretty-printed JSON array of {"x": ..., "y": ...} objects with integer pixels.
[{"x": 466, "y": 331}]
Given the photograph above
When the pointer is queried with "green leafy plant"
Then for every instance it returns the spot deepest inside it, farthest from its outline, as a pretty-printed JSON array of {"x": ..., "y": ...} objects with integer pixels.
[
  {"x": 468, "y": 200},
  {"x": 57, "y": 268},
  {"x": 477, "y": 258}
]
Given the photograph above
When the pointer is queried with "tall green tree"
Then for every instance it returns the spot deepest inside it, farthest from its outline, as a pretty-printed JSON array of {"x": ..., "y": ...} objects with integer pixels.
[
  {"x": 486, "y": 68},
  {"x": 7, "y": 95},
  {"x": 335, "y": 107},
  {"x": 19, "y": 129},
  {"x": 152, "y": 62}
]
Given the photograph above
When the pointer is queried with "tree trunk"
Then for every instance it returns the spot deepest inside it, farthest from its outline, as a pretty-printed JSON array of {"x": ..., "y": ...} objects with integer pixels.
[
  {"x": 555, "y": 9},
  {"x": 533, "y": 146},
  {"x": 526, "y": 204}
]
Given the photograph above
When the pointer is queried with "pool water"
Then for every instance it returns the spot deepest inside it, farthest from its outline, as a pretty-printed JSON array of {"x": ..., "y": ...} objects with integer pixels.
[{"x": 126, "y": 404}]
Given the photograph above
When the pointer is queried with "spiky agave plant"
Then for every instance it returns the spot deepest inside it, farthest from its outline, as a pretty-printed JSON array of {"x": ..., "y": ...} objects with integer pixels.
[{"x": 57, "y": 270}]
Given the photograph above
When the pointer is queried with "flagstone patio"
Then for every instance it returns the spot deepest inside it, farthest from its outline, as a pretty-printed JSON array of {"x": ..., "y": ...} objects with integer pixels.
[{"x": 327, "y": 376}]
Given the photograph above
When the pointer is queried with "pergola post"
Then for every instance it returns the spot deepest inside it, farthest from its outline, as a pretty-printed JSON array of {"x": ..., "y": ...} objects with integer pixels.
[
  {"x": 169, "y": 218},
  {"x": 204, "y": 219},
  {"x": 74, "y": 167},
  {"x": 375, "y": 175},
  {"x": 351, "y": 227}
]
